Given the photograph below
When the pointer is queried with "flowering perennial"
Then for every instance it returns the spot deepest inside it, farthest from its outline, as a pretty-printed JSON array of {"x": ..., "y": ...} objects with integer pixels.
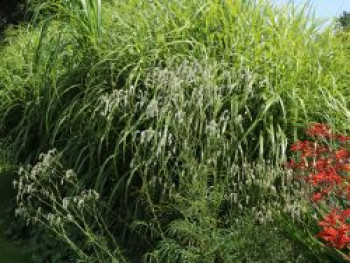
[
  {"x": 324, "y": 163},
  {"x": 336, "y": 228}
]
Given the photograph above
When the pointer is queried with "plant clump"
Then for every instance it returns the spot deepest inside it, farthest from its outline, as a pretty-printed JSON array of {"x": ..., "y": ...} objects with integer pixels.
[{"x": 177, "y": 115}]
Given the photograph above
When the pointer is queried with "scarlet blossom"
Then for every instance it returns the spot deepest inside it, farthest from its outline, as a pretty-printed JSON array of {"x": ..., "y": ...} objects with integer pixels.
[
  {"x": 328, "y": 234},
  {"x": 321, "y": 149},
  {"x": 336, "y": 237},
  {"x": 320, "y": 130},
  {"x": 306, "y": 148},
  {"x": 346, "y": 167},
  {"x": 343, "y": 238},
  {"x": 331, "y": 218},
  {"x": 297, "y": 146},
  {"x": 317, "y": 197},
  {"x": 346, "y": 213},
  {"x": 342, "y": 154},
  {"x": 335, "y": 230},
  {"x": 322, "y": 162},
  {"x": 330, "y": 177},
  {"x": 341, "y": 138}
]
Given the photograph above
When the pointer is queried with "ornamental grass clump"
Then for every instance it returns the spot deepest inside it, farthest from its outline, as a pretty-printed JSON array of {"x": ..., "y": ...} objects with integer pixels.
[{"x": 146, "y": 99}]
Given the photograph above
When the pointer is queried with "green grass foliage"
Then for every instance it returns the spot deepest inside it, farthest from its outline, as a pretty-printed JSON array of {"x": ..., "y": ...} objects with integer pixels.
[{"x": 165, "y": 107}]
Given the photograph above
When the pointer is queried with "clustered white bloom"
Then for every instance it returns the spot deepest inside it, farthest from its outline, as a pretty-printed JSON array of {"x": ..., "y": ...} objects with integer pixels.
[
  {"x": 85, "y": 196},
  {"x": 147, "y": 135},
  {"x": 152, "y": 109},
  {"x": 274, "y": 192},
  {"x": 45, "y": 192}
]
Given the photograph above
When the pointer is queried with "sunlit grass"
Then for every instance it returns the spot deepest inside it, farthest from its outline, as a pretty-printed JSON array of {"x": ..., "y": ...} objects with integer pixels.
[{"x": 145, "y": 98}]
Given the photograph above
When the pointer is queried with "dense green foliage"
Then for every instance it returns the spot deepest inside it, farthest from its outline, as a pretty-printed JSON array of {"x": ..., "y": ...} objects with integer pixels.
[{"x": 178, "y": 114}]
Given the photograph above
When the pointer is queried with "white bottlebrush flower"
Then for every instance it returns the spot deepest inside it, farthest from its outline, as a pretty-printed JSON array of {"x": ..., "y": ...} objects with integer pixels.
[
  {"x": 70, "y": 174},
  {"x": 65, "y": 203},
  {"x": 152, "y": 109}
]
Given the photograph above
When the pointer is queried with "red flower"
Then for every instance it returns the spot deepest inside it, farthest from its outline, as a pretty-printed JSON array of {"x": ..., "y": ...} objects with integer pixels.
[
  {"x": 329, "y": 176},
  {"x": 346, "y": 167},
  {"x": 322, "y": 164},
  {"x": 331, "y": 218},
  {"x": 346, "y": 213},
  {"x": 328, "y": 234},
  {"x": 337, "y": 237},
  {"x": 342, "y": 154},
  {"x": 335, "y": 229},
  {"x": 298, "y": 146},
  {"x": 320, "y": 130},
  {"x": 342, "y": 138},
  {"x": 317, "y": 197}
]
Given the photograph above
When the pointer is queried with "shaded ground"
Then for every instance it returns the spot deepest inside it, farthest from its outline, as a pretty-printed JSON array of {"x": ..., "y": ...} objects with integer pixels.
[
  {"x": 11, "y": 12},
  {"x": 10, "y": 252}
]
